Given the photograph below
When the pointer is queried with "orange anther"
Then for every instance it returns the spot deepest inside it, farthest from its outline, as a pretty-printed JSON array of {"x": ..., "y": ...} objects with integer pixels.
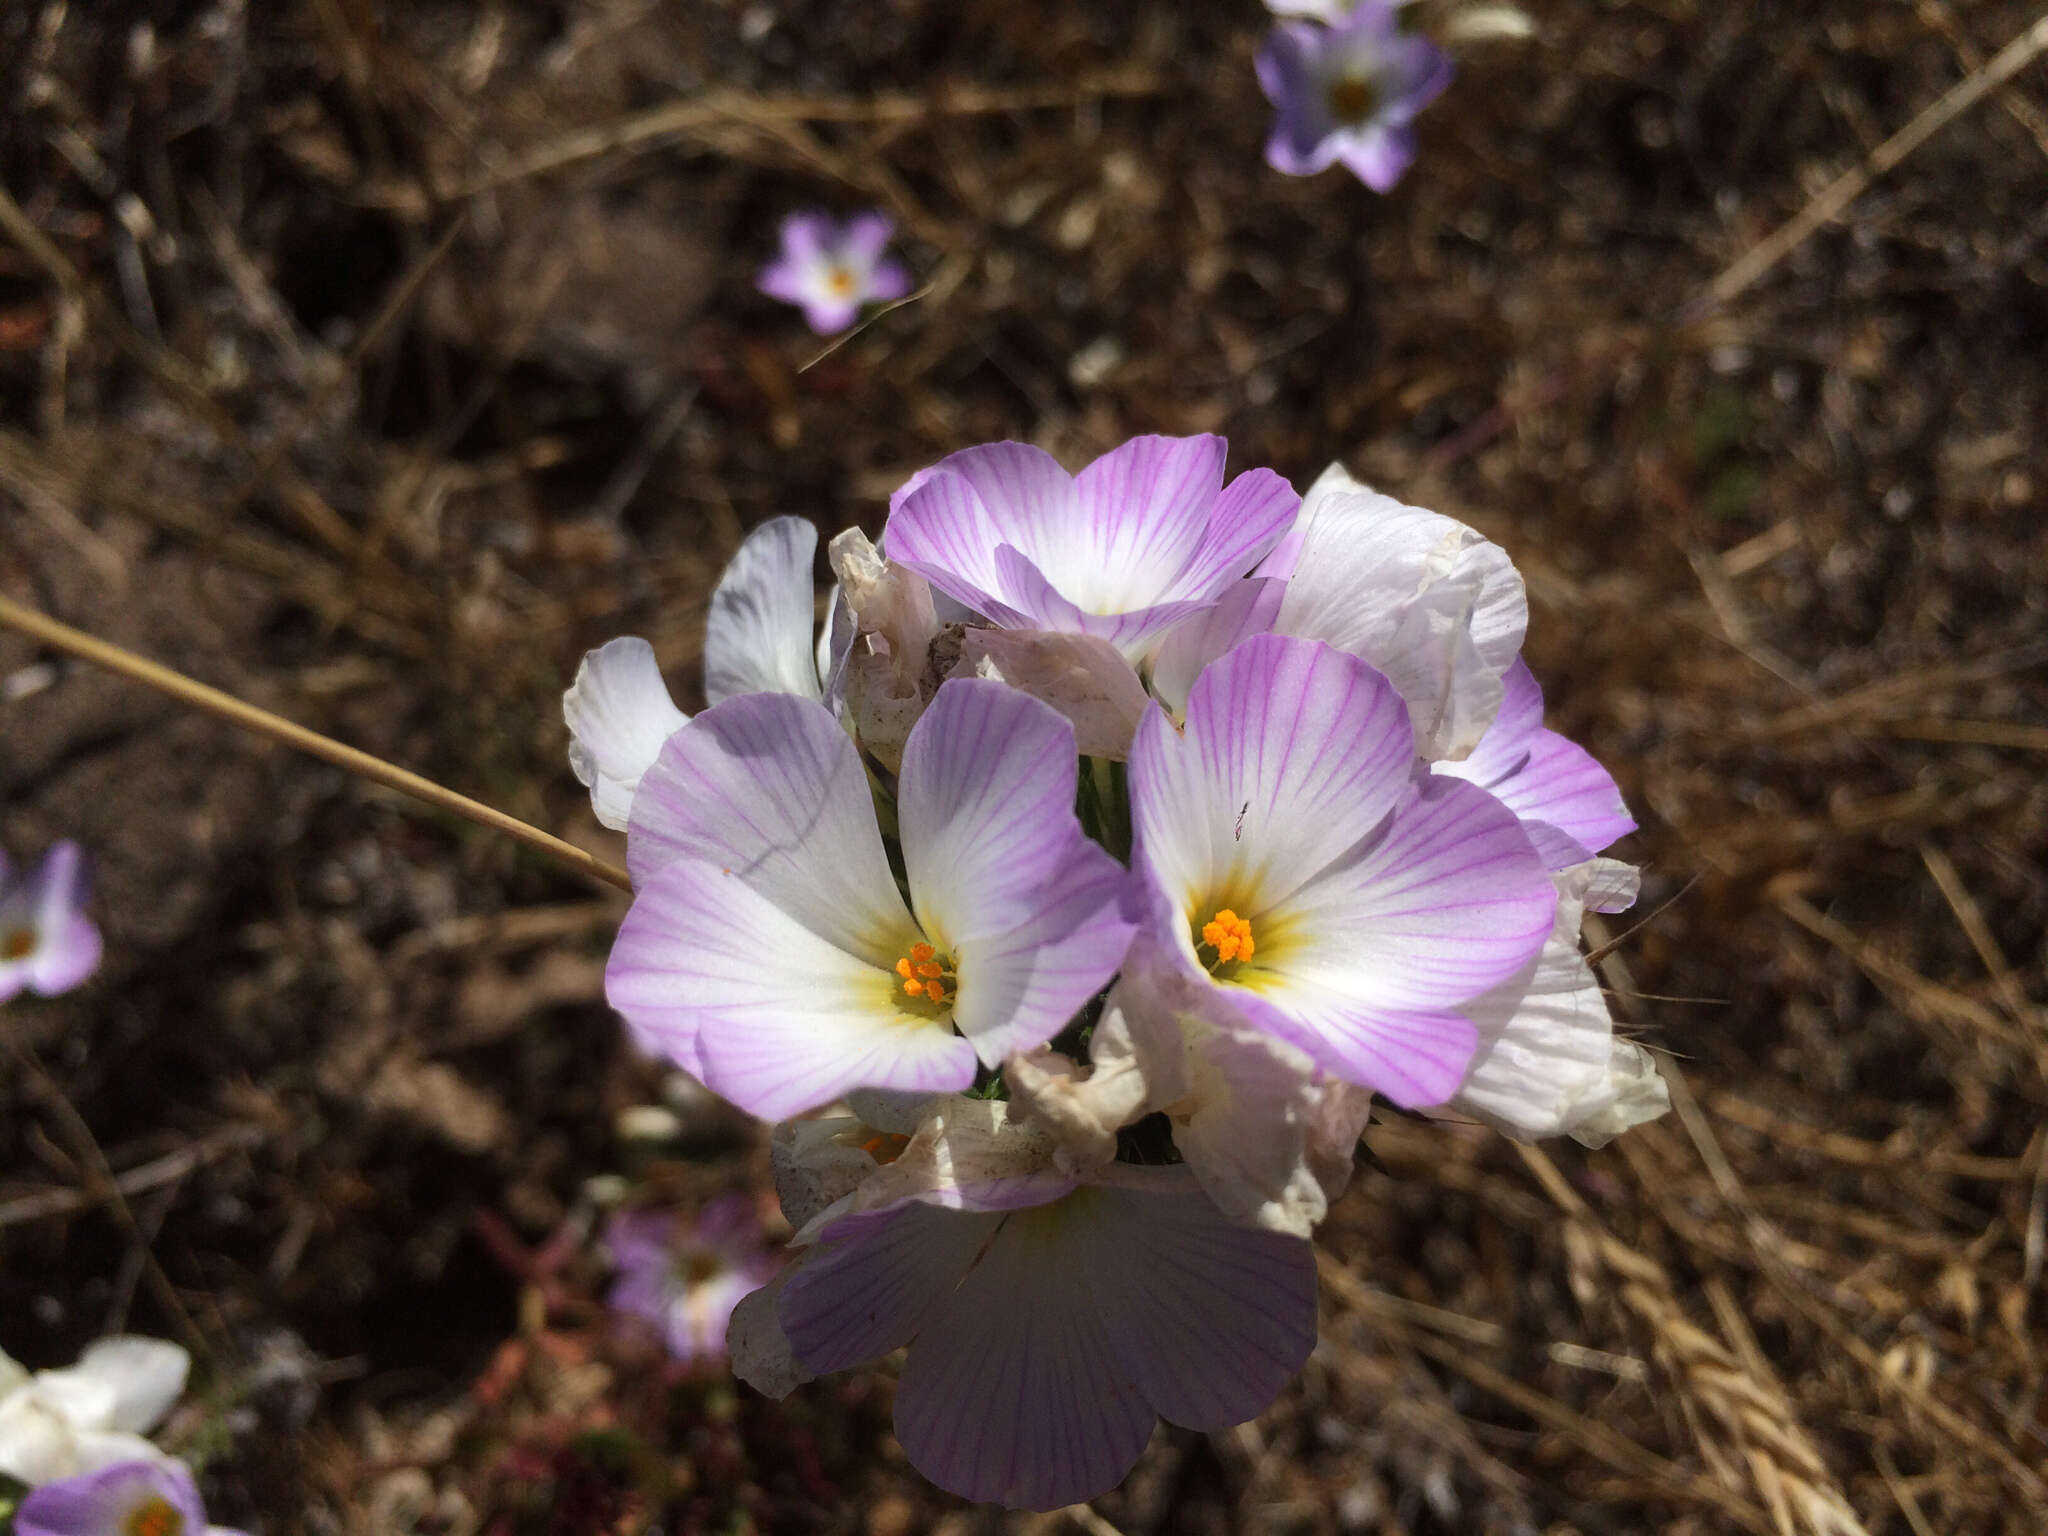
[{"x": 921, "y": 952}]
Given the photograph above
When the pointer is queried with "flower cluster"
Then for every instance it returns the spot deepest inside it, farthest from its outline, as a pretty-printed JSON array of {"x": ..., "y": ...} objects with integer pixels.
[
  {"x": 1346, "y": 85},
  {"x": 1119, "y": 839},
  {"x": 76, "y": 1439}
]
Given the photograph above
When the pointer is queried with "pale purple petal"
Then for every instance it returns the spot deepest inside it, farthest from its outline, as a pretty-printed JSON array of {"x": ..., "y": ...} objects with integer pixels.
[
  {"x": 871, "y": 1282},
  {"x": 765, "y": 1011},
  {"x": 828, "y": 317},
  {"x": 1293, "y": 754},
  {"x": 1210, "y": 1319},
  {"x": 1417, "y": 73},
  {"x": 866, "y": 236},
  {"x": 768, "y": 787},
  {"x": 1144, "y": 508},
  {"x": 1249, "y": 518},
  {"x": 1027, "y": 591},
  {"x": 619, "y": 713},
  {"x": 1412, "y": 1057},
  {"x": 1013, "y": 1392},
  {"x": 789, "y": 280},
  {"x": 758, "y": 636},
  {"x": 986, "y": 805},
  {"x": 888, "y": 282},
  {"x": 1553, "y": 784},
  {"x": 808, "y": 237},
  {"x": 949, "y": 520},
  {"x": 1018, "y": 988},
  {"x": 1379, "y": 156},
  {"x": 113, "y": 1501},
  {"x": 1301, "y": 143}
]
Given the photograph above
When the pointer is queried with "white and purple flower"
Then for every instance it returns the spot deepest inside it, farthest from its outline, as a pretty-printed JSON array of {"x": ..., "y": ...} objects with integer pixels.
[
  {"x": 683, "y": 1278},
  {"x": 1144, "y": 538},
  {"x": 1052, "y": 1318},
  {"x": 131, "y": 1498},
  {"x": 47, "y": 943},
  {"x": 829, "y": 269},
  {"x": 1349, "y": 92},
  {"x": 1294, "y": 860},
  {"x": 769, "y": 951}
]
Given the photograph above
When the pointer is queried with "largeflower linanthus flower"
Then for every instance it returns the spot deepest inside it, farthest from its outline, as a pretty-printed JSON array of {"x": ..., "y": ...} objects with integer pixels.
[
  {"x": 829, "y": 269},
  {"x": 1143, "y": 538},
  {"x": 47, "y": 943},
  {"x": 132, "y": 1498},
  {"x": 1349, "y": 93},
  {"x": 768, "y": 951},
  {"x": 1295, "y": 862},
  {"x": 685, "y": 1277}
]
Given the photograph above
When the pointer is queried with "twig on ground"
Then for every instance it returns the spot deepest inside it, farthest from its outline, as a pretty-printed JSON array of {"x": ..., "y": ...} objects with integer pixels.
[{"x": 225, "y": 706}]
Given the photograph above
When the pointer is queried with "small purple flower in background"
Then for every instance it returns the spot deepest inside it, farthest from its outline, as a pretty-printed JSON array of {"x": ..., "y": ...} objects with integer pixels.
[
  {"x": 1349, "y": 92},
  {"x": 133, "y": 1498},
  {"x": 829, "y": 269},
  {"x": 685, "y": 1278},
  {"x": 47, "y": 943}
]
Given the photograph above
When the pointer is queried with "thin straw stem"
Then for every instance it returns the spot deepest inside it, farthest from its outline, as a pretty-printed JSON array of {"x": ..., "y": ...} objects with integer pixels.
[{"x": 233, "y": 710}]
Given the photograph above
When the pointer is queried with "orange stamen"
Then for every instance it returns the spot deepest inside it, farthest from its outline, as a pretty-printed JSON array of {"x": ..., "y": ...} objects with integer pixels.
[{"x": 1229, "y": 935}]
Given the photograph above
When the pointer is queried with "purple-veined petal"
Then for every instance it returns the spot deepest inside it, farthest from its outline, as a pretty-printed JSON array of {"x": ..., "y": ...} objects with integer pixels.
[
  {"x": 1020, "y": 986},
  {"x": 1013, "y": 1392},
  {"x": 1143, "y": 509},
  {"x": 758, "y": 636},
  {"x": 868, "y": 1285},
  {"x": 619, "y": 714},
  {"x": 1553, "y": 784},
  {"x": 1292, "y": 754},
  {"x": 986, "y": 806},
  {"x": 768, "y": 786},
  {"x": 1210, "y": 1319},
  {"x": 1448, "y": 901},
  {"x": 1250, "y": 517},
  {"x": 1026, "y": 591},
  {"x": 768, "y": 1013},
  {"x": 1412, "y": 1057},
  {"x": 947, "y": 522}
]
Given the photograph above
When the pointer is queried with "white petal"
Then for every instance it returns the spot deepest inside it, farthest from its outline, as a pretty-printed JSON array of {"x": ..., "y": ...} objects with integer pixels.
[
  {"x": 1548, "y": 1063},
  {"x": 969, "y": 1154},
  {"x": 98, "y": 1449},
  {"x": 757, "y": 638},
  {"x": 758, "y": 1347},
  {"x": 13, "y": 1376},
  {"x": 147, "y": 1375},
  {"x": 1084, "y": 677},
  {"x": 619, "y": 713},
  {"x": 38, "y": 1443},
  {"x": 1420, "y": 596},
  {"x": 85, "y": 1400},
  {"x": 817, "y": 1162}
]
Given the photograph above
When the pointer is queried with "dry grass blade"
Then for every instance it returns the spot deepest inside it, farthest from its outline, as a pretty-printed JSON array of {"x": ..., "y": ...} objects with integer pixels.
[{"x": 1751, "y": 1418}]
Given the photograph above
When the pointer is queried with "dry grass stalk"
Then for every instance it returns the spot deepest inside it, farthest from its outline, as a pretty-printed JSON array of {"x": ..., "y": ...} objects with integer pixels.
[{"x": 1737, "y": 1416}]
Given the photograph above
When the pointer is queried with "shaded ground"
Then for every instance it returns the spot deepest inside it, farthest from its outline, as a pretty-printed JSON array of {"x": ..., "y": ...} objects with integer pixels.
[{"x": 381, "y": 357}]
